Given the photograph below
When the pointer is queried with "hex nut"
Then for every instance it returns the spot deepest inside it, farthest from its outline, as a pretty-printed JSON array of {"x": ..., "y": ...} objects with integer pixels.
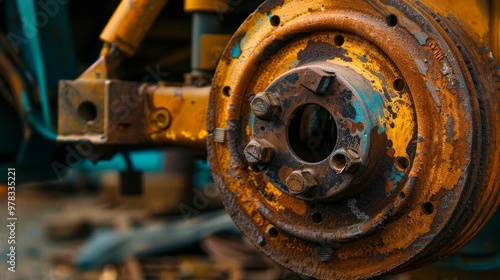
[
  {"x": 345, "y": 160},
  {"x": 265, "y": 105},
  {"x": 257, "y": 154},
  {"x": 300, "y": 181},
  {"x": 316, "y": 80}
]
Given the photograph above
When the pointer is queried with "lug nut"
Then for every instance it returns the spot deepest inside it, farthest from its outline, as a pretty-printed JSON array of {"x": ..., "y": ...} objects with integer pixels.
[
  {"x": 265, "y": 105},
  {"x": 345, "y": 160},
  {"x": 317, "y": 80},
  {"x": 257, "y": 154},
  {"x": 300, "y": 181}
]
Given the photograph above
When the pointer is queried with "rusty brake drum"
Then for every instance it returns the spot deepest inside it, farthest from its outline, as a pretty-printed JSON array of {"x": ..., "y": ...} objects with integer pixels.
[{"x": 355, "y": 138}]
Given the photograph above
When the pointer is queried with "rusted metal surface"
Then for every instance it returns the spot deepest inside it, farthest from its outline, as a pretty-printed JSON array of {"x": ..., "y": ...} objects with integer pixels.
[
  {"x": 495, "y": 29},
  {"x": 112, "y": 113},
  {"x": 130, "y": 22},
  {"x": 101, "y": 111},
  {"x": 356, "y": 132}
]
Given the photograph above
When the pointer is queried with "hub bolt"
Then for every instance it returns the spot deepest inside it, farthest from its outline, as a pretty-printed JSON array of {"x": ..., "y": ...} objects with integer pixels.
[
  {"x": 265, "y": 105},
  {"x": 317, "y": 80},
  {"x": 257, "y": 154},
  {"x": 300, "y": 181}
]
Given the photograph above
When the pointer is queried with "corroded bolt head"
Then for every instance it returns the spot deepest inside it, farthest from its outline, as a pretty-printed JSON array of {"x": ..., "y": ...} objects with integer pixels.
[
  {"x": 317, "y": 80},
  {"x": 257, "y": 154},
  {"x": 345, "y": 160},
  {"x": 265, "y": 105},
  {"x": 300, "y": 181}
]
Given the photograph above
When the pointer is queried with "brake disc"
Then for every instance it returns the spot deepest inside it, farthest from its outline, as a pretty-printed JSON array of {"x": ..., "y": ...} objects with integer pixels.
[{"x": 355, "y": 138}]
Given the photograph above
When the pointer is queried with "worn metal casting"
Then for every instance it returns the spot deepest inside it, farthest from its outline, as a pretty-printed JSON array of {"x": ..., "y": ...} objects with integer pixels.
[{"x": 361, "y": 137}]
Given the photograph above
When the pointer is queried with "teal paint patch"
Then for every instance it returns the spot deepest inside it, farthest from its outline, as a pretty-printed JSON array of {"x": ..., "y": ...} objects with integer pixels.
[
  {"x": 236, "y": 50},
  {"x": 396, "y": 177},
  {"x": 325, "y": 85},
  {"x": 381, "y": 129},
  {"x": 269, "y": 15},
  {"x": 359, "y": 113}
]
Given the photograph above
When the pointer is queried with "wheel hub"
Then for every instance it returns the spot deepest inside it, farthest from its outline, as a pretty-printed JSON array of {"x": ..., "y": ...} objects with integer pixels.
[
  {"x": 356, "y": 132},
  {"x": 324, "y": 131}
]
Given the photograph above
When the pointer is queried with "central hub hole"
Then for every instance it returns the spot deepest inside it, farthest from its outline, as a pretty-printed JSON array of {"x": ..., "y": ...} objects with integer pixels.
[{"x": 312, "y": 133}]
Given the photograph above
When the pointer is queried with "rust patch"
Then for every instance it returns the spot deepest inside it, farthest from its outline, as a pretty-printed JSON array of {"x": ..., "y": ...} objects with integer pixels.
[
  {"x": 450, "y": 129},
  {"x": 322, "y": 51},
  {"x": 354, "y": 127},
  {"x": 436, "y": 50},
  {"x": 267, "y": 6}
]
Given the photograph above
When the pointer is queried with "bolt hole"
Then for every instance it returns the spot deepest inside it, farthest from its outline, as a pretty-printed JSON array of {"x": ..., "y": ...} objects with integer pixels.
[
  {"x": 263, "y": 128},
  {"x": 339, "y": 161},
  {"x": 339, "y": 40},
  {"x": 427, "y": 208},
  {"x": 275, "y": 21},
  {"x": 402, "y": 195},
  {"x": 312, "y": 206},
  {"x": 402, "y": 163},
  {"x": 87, "y": 111},
  {"x": 391, "y": 20},
  {"x": 317, "y": 217},
  {"x": 226, "y": 91},
  {"x": 399, "y": 84},
  {"x": 273, "y": 232}
]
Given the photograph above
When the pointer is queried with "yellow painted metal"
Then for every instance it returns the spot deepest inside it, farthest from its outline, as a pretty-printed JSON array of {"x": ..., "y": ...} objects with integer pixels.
[
  {"x": 495, "y": 29},
  {"x": 212, "y": 46},
  {"x": 205, "y": 6},
  {"x": 187, "y": 107},
  {"x": 130, "y": 23},
  {"x": 473, "y": 12}
]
